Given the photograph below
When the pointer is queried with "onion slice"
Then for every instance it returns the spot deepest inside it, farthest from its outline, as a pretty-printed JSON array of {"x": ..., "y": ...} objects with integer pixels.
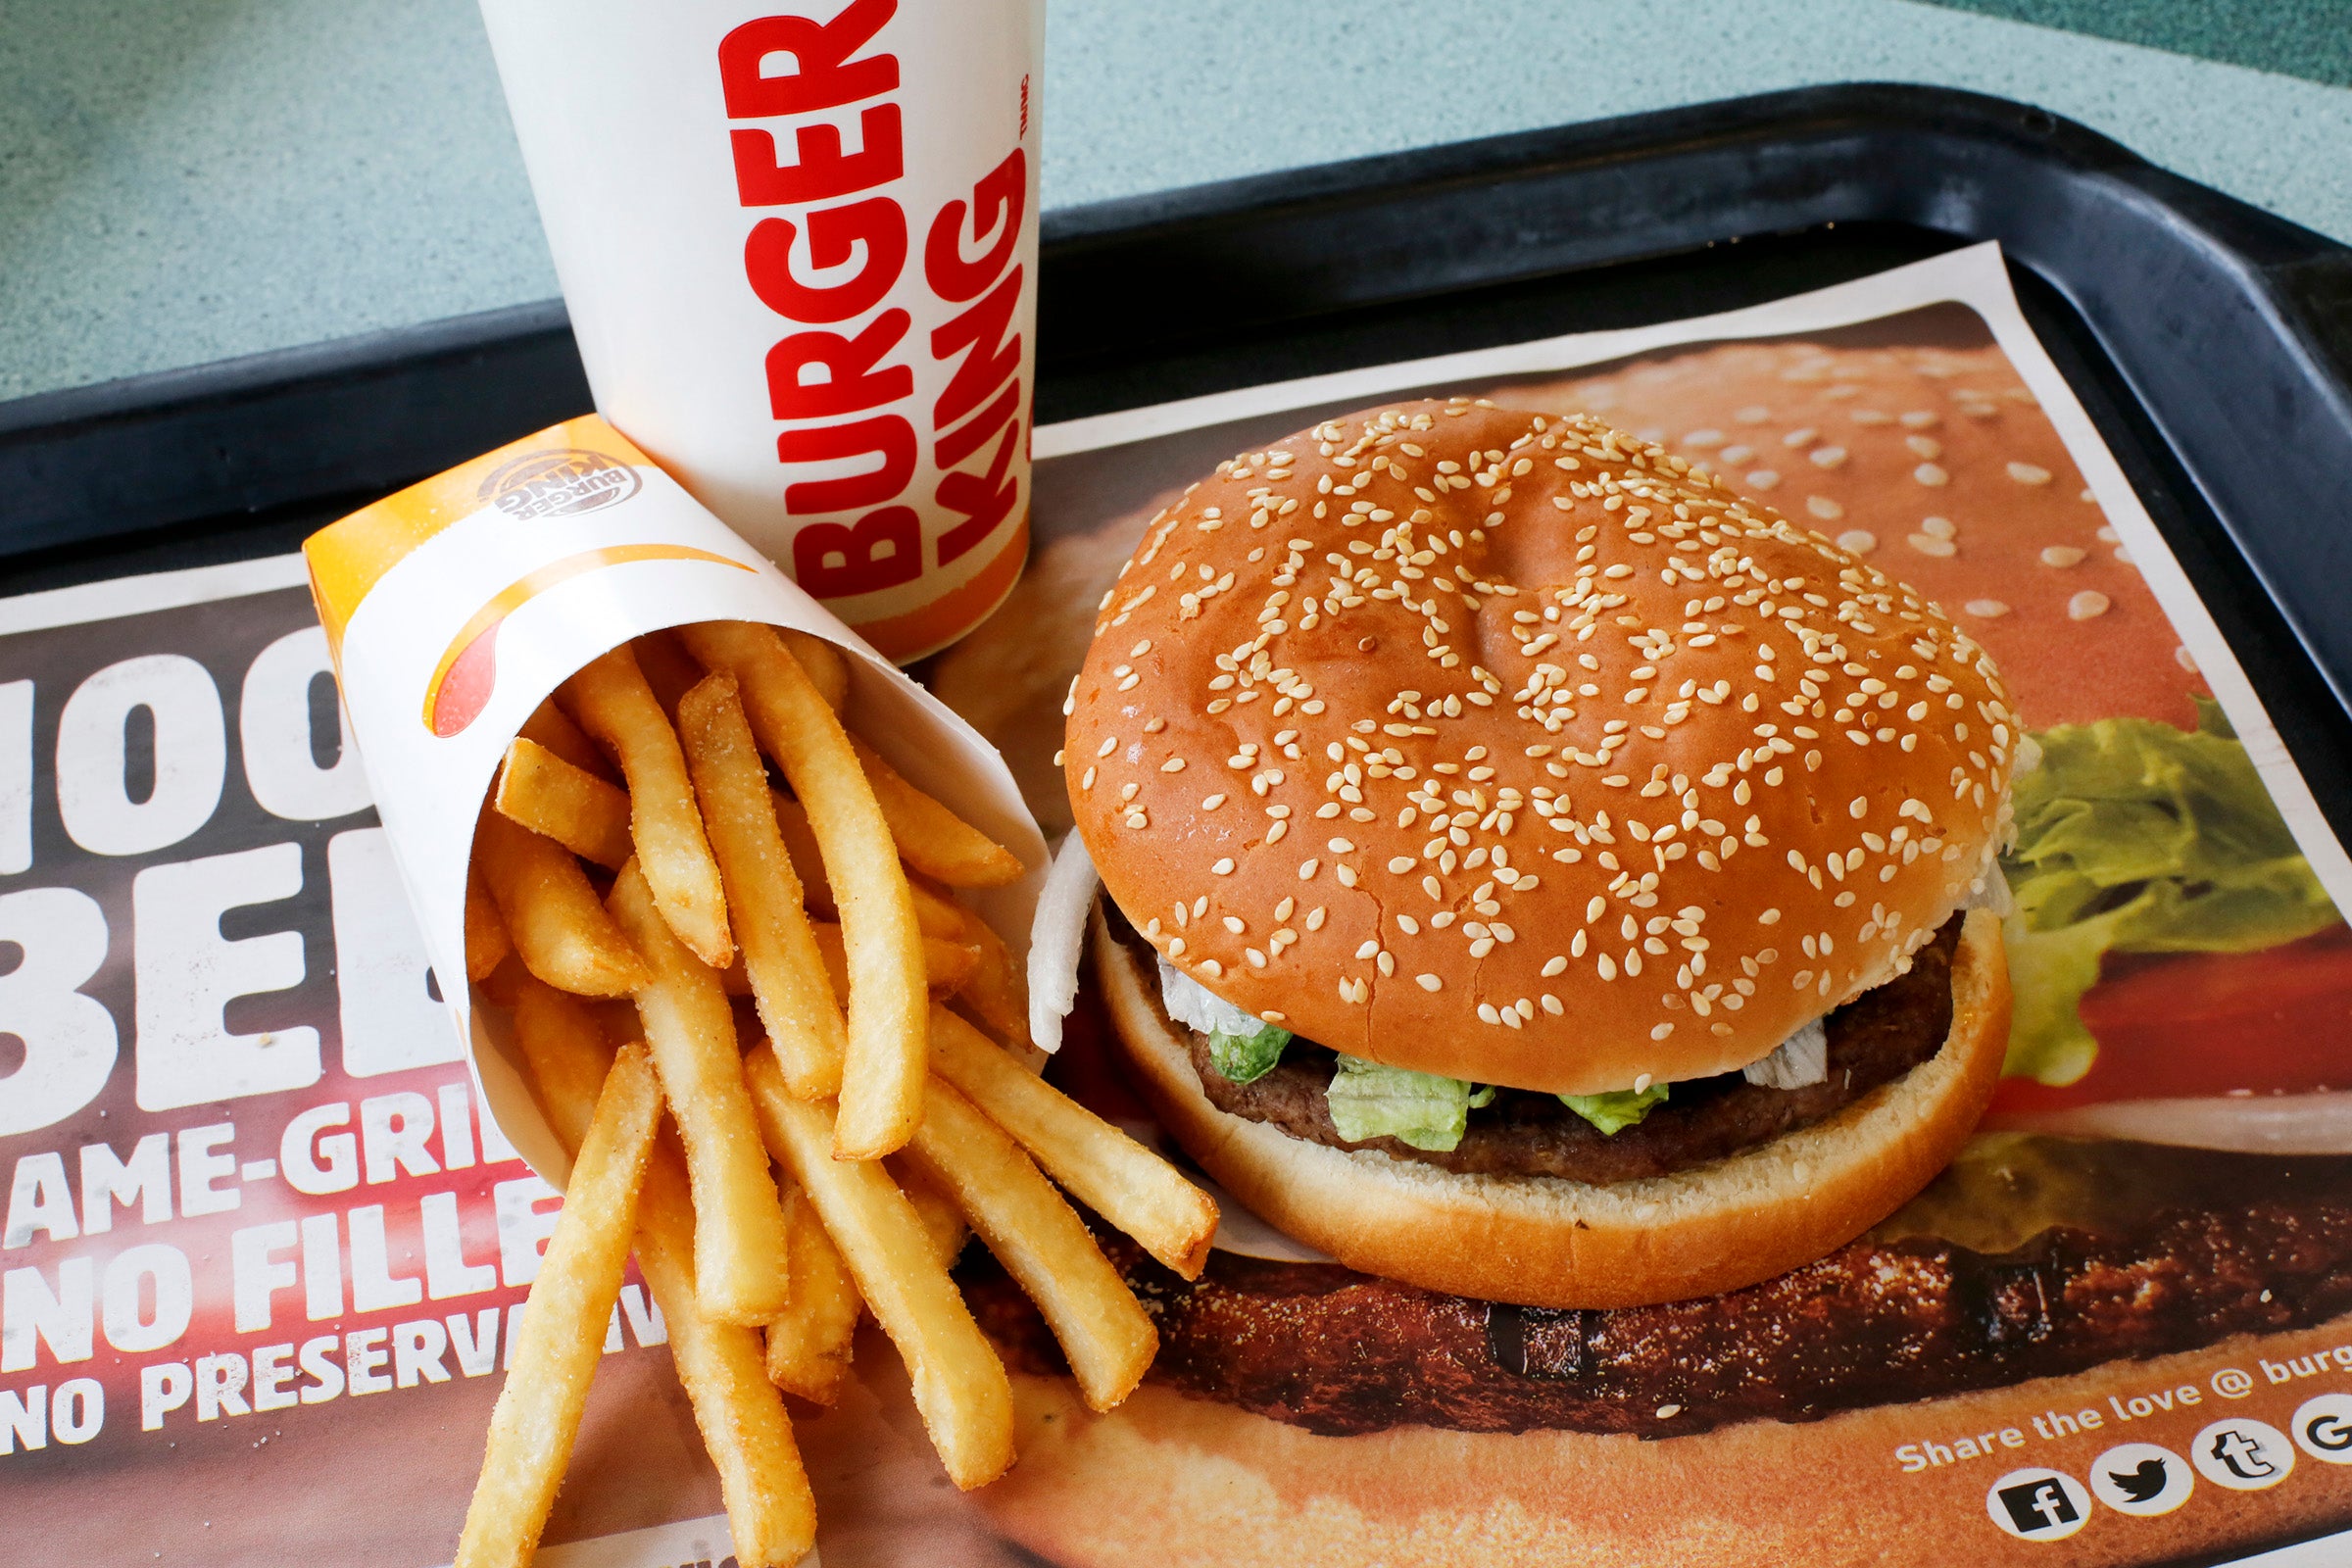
[
  {"x": 1801, "y": 1060},
  {"x": 1057, "y": 938}
]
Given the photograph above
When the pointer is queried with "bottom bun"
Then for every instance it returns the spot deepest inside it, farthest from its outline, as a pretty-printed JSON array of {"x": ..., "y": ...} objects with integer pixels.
[
  {"x": 1181, "y": 1482},
  {"x": 1540, "y": 1241}
]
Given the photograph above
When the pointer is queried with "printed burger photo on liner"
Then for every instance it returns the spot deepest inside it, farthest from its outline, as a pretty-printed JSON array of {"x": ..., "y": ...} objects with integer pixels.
[{"x": 1567, "y": 850}]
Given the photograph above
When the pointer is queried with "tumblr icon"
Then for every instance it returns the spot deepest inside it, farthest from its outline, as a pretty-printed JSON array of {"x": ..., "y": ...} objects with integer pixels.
[
  {"x": 2038, "y": 1505},
  {"x": 2242, "y": 1454}
]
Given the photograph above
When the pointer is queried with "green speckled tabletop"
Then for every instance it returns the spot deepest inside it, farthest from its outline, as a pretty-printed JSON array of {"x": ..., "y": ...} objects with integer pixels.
[{"x": 187, "y": 180}]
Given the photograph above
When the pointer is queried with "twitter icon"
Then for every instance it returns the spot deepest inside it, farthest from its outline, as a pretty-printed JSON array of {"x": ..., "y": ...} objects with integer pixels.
[{"x": 2141, "y": 1478}]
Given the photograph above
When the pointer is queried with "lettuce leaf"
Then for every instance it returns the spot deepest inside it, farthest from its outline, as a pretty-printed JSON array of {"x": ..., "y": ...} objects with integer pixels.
[
  {"x": 1244, "y": 1057},
  {"x": 2136, "y": 836},
  {"x": 1616, "y": 1110},
  {"x": 1420, "y": 1108}
]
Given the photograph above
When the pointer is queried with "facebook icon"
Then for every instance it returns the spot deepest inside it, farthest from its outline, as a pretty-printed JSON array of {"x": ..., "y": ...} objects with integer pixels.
[{"x": 2038, "y": 1505}]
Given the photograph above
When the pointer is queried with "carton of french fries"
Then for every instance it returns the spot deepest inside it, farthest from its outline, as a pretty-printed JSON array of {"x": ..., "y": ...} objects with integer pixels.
[{"x": 739, "y": 912}]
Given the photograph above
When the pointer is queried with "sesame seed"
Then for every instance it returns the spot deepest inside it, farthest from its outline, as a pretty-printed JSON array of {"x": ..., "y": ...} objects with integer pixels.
[
  {"x": 2087, "y": 603},
  {"x": 1428, "y": 982},
  {"x": 1641, "y": 1083},
  {"x": 2028, "y": 474},
  {"x": 2061, "y": 556},
  {"x": 1927, "y": 473},
  {"x": 1986, "y": 609}
]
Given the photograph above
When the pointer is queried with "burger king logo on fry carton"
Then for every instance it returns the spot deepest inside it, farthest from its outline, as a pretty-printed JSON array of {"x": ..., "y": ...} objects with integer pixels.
[{"x": 561, "y": 483}]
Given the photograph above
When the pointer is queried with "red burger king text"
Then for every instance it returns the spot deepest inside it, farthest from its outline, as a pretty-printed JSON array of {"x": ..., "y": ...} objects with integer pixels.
[{"x": 842, "y": 380}]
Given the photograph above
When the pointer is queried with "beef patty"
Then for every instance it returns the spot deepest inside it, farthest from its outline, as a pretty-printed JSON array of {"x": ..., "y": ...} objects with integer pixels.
[
  {"x": 1874, "y": 1039},
  {"x": 2213, "y": 1246}
]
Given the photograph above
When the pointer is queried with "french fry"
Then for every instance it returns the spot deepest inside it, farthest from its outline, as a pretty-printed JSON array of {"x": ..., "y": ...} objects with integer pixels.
[
  {"x": 486, "y": 941},
  {"x": 946, "y": 964},
  {"x": 828, "y": 671},
  {"x": 809, "y": 1347},
  {"x": 559, "y": 927},
  {"x": 666, "y": 666},
  {"x": 882, "y": 1068},
  {"x": 561, "y": 1338},
  {"x": 586, "y": 814},
  {"x": 934, "y": 1205},
  {"x": 551, "y": 727},
  {"x": 932, "y": 838},
  {"x": 770, "y": 1507},
  {"x": 997, "y": 990},
  {"x": 1041, "y": 1242},
  {"x": 961, "y": 1388},
  {"x": 780, "y": 956},
  {"x": 740, "y": 1249},
  {"x": 610, "y": 700},
  {"x": 1128, "y": 1184},
  {"x": 937, "y": 914}
]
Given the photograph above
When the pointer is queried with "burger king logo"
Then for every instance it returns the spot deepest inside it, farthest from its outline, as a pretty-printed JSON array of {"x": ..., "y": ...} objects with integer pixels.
[{"x": 563, "y": 482}]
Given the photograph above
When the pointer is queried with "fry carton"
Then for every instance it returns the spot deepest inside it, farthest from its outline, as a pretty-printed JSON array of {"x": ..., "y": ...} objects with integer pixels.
[{"x": 454, "y": 608}]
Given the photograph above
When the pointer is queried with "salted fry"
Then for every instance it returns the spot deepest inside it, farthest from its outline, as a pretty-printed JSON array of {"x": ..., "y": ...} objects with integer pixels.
[
  {"x": 780, "y": 957},
  {"x": 770, "y": 1507},
  {"x": 551, "y": 727},
  {"x": 586, "y": 814},
  {"x": 740, "y": 1249},
  {"x": 937, "y": 914},
  {"x": 932, "y": 838},
  {"x": 996, "y": 990},
  {"x": 961, "y": 1388},
  {"x": 946, "y": 964},
  {"x": 809, "y": 1347},
  {"x": 934, "y": 1205},
  {"x": 883, "y": 1068},
  {"x": 610, "y": 700},
  {"x": 827, "y": 668},
  {"x": 1041, "y": 1242},
  {"x": 800, "y": 841},
  {"x": 561, "y": 1338},
  {"x": 486, "y": 941},
  {"x": 1128, "y": 1184},
  {"x": 552, "y": 915},
  {"x": 666, "y": 666}
]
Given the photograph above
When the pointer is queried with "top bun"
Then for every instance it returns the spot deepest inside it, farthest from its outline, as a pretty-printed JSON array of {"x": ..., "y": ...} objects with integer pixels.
[{"x": 1509, "y": 747}]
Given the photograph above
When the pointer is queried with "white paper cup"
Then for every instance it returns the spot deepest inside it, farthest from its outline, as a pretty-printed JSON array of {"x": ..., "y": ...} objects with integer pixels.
[
  {"x": 454, "y": 608},
  {"x": 799, "y": 244}
]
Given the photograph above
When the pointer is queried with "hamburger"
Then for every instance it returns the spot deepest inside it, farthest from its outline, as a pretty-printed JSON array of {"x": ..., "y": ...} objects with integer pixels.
[
  {"x": 1536, "y": 871},
  {"x": 2179, "y": 1215}
]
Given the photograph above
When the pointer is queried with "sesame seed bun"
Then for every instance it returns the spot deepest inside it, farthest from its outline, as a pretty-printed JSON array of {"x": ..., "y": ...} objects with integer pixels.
[
  {"x": 1508, "y": 747},
  {"x": 1540, "y": 1241}
]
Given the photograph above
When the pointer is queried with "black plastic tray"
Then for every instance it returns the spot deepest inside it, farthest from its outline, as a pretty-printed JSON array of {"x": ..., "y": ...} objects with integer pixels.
[{"x": 2210, "y": 342}]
